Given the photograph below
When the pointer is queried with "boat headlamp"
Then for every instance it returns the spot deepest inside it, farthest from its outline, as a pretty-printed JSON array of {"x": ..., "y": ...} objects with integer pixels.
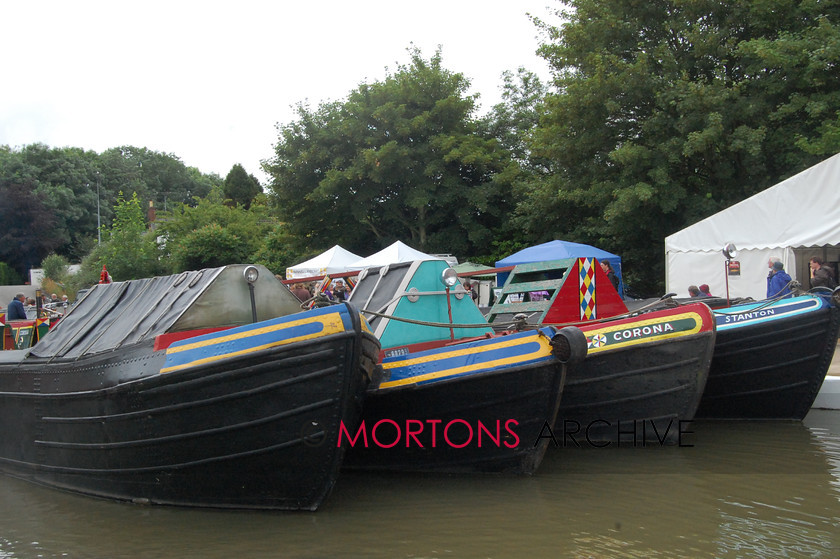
[
  {"x": 449, "y": 277},
  {"x": 251, "y": 274}
]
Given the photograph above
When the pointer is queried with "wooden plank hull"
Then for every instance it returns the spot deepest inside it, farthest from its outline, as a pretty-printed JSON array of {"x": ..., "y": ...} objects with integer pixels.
[
  {"x": 243, "y": 418},
  {"x": 475, "y": 407},
  {"x": 770, "y": 360},
  {"x": 641, "y": 380}
]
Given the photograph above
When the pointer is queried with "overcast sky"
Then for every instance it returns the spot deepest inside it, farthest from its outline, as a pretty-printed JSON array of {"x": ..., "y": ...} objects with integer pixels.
[{"x": 209, "y": 81}]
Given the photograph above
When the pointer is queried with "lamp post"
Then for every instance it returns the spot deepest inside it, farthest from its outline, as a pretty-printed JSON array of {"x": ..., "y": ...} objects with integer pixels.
[
  {"x": 98, "y": 218},
  {"x": 729, "y": 252}
]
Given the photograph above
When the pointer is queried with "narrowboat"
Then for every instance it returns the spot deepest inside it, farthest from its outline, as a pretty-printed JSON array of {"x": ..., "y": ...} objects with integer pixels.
[
  {"x": 455, "y": 396},
  {"x": 207, "y": 388},
  {"x": 771, "y": 357},
  {"x": 645, "y": 371}
]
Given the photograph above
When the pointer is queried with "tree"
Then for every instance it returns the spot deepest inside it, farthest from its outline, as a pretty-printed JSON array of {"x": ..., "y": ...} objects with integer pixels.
[
  {"x": 77, "y": 189},
  {"x": 55, "y": 267},
  {"x": 209, "y": 247},
  {"x": 62, "y": 179},
  {"x": 513, "y": 122},
  {"x": 128, "y": 249},
  {"x": 398, "y": 159},
  {"x": 28, "y": 232},
  {"x": 8, "y": 276},
  {"x": 211, "y": 233},
  {"x": 158, "y": 177},
  {"x": 666, "y": 112},
  {"x": 240, "y": 187}
]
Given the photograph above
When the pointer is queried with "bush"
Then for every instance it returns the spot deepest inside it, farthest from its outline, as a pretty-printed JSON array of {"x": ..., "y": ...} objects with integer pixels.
[
  {"x": 8, "y": 275},
  {"x": 56, "y": 268}
]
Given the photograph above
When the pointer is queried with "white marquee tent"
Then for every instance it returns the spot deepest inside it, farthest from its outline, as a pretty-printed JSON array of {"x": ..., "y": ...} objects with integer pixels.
[
  {"x": 392, "y": 254},
  {"x": 794, "y": 220},
  {"x": 332, "y": 261}
]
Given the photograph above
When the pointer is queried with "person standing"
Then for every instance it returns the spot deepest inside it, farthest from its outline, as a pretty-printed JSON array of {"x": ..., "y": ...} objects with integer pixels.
[
  {"x": 340, "y": 291},
  {"x": 777, "y": 279},
  {"x": 16, "y": 310},
  {"x": 301, "y": 292},
  {"x": 821, "y": 275},
  {"x": 608, "y": 269}
]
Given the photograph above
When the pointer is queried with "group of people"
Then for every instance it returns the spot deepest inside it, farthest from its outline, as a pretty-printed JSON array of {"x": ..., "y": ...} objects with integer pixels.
[
  {"x": 18, "y": 306},
  {"x": 702, "y": 291},
  {"x": 778, "y": 281},
  {"x": 337, "y": 291}
]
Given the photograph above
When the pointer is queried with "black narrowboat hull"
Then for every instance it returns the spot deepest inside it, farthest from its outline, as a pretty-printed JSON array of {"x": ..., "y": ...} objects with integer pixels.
[
  {"x": 483, "y": 406},
  {"x": 770, "y": 369},
  {"x": 644, "y": 391},
  {"x": 488, "y": 423},
  {"x": 255, "y": 430}
]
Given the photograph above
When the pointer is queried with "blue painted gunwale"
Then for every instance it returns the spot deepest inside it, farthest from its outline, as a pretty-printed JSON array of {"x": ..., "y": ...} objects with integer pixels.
[
  {"x": 470, "y": 358},
  {"x": 234, "y": 342},
  {"x": 762, "y": 312}
]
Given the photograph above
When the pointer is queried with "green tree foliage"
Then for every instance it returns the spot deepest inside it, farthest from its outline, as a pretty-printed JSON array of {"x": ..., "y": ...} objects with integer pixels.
[
  {"x": 61, "y": 178},
  {"x": 666, "y": 112},
  {"x": 56, "y": 267},
  {"x": 189, "y": 232},
  {"x": 157, "y": 177},
  {"x": 513, "y": 122},
  {"x": 277, "y": 251},
  {"x": 28, "y": 231},
  {"x": 8, "y": 275},
  {"x": 240, "y": 187},
  {"x": 399, "y": 159},
  {"x": 128, "y": 249},
  {"x": 209, "y": 247},
  {"x": 64, "y": 192}
]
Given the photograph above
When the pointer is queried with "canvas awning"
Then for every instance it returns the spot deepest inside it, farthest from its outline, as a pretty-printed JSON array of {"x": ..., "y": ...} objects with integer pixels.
[
  {"x": 799, "y": 212},
  {"x": 560, "y": 250},
  {"x": 121, "y": 313},
  {"x": 392, "y": 254},
  {"x": 334, "y": 260}
]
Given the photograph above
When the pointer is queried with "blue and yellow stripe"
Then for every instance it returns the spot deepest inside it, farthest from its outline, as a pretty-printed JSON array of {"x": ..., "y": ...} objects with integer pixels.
[
  {"x": 467, "y": 359},
  {"x": 226, "y": 344}
]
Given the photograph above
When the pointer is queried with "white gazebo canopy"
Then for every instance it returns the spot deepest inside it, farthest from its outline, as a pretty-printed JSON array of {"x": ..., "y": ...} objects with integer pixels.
[
  {"x": 397, "y": 252},
  {"x": 332, "y": 261}
]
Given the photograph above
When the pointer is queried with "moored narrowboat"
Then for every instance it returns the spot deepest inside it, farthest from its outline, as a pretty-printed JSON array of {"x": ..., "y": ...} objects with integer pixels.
[
  {"x": 455, "y": 397},
  {"x": 207, "y": 388}
]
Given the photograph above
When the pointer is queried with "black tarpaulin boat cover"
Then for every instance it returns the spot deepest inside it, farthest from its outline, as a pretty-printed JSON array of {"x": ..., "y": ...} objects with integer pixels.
[{"x": 114, "y": 315}]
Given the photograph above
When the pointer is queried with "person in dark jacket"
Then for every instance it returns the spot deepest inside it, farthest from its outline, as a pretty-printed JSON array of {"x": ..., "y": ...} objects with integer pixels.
[
  {"x": 16, "y": 310},
  {"x": 608, "y": 269},
  {"x": 821, "y": 275},
  {"x": 340, "y": 291},
  {"x": 777, "y": 280}
]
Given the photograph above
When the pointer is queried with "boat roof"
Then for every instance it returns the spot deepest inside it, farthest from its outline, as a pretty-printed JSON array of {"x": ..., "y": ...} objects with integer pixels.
[
  {"x": 118, "y": 314},
  {"x": 414, "y": 291}
]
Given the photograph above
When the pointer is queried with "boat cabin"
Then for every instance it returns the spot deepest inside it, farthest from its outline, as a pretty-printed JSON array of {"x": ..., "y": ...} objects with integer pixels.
[
  {"x": 564, "y": 291},
  {"x": 416, "y": 303}
]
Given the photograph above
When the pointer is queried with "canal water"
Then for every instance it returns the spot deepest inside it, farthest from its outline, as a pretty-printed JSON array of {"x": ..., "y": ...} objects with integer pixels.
[{"x": 749, "y": 489}]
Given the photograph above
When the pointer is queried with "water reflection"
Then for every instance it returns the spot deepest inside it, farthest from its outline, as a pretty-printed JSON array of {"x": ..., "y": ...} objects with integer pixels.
[{"x": 742, "y": 490}]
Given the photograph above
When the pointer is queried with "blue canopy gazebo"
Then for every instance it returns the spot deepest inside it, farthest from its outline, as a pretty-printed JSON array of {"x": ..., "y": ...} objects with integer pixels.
[{"x": 559, "y": 250}]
